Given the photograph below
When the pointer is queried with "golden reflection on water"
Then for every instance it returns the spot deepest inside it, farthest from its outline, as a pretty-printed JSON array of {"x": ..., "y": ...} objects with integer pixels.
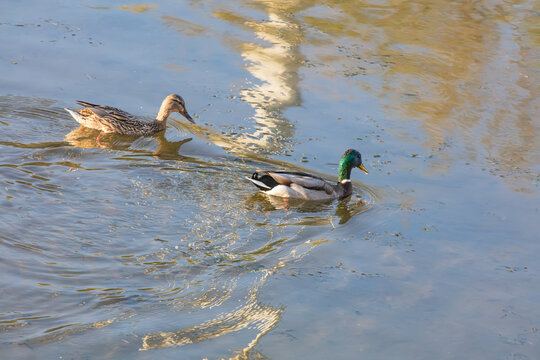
[
  {"x": 275, "y": 61},
  {"x": 465, "y": 69},
  {"x": 252, "y": 315},
  {"x": 87, "y": 138},
  {"x": 137, "y": 8},
  {"x": 186, "y": 27}
]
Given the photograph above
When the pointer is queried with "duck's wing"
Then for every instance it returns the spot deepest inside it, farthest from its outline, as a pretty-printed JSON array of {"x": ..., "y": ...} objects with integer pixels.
[
  {"x": 267, "y": 180},
  {"x": 105, "y": 111}
]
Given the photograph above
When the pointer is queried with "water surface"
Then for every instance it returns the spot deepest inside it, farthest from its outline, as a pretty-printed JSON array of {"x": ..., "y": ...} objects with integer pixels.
[{"x": 158, "y": 247}]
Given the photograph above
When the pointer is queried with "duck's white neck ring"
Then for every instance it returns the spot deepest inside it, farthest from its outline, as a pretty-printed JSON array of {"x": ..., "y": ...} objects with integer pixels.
[{"x": 345, "y": 181}]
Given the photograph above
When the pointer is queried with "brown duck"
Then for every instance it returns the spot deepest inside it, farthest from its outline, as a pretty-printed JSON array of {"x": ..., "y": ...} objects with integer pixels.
[{"x": 109, "y": 119}]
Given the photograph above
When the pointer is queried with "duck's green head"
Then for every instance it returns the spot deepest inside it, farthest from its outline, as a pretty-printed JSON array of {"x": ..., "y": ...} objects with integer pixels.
[{"x": 350, "y": 159}]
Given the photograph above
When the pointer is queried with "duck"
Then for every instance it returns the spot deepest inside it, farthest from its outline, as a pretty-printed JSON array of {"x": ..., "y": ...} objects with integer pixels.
[
  {"x": 300, "y": 185},
  {"x": 109, "y": 119}
]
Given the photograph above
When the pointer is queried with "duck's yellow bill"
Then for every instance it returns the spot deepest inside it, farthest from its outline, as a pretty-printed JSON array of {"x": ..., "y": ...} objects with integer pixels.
[{"x": 361, "y": 167}]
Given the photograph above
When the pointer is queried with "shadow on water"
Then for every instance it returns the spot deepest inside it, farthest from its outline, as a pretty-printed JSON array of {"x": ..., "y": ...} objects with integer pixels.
[{"x": 133, "y": 229}]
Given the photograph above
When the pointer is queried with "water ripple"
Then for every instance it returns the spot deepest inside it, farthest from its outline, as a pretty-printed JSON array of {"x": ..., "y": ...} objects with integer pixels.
[{"x": 98, "y": 233}]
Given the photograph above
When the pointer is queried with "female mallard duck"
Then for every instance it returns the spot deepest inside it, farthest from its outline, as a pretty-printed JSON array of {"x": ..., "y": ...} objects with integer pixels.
[
  {"x": 307, "y": 186},
  {"x": 112, "y": 120}
]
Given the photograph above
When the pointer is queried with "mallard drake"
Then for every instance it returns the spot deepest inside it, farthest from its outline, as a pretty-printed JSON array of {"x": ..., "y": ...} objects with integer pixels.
[
  {"x": 305, "y": 186},
  {"x": 112, "y": 120}
]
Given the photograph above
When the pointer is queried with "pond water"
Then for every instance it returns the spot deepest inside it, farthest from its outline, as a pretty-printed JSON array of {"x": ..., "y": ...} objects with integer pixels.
[{"x": 158, "y": 248}]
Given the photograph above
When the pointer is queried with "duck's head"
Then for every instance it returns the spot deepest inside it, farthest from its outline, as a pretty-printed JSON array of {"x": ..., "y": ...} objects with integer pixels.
[
  {"x": 351, "y": 158},
  {"x": 173, "y": 103}
]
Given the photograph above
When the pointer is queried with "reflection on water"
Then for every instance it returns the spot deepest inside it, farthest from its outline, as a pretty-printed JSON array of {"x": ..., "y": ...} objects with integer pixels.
[
  {"x": 252, "y": 315},
  {"x": 274, "y": 60},
  {"x": 442, "y": 63},
  {"x": 159, "y": 244},
  {"x": 87, "y": 138},
  {"x": 345, "y": 209},
  {"x": 137, "y": 8}
]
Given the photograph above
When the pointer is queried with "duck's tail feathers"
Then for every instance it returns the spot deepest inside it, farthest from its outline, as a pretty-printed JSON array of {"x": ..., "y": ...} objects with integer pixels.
[
  {"x": 259, "y": 184},
  {"x": 84, "y": 103},
  {"x": 71, "y": 112},
  {"x": 74, "y": 114}
]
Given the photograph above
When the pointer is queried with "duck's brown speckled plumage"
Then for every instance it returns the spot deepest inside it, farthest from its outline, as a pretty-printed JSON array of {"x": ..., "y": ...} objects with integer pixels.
[{"x": 113, "y": 120}]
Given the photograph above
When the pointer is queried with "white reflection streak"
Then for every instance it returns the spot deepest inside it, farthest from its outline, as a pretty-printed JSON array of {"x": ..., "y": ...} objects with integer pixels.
[
  {"x": 254, "y": 315},
  {"x": 276, "y": 67}
]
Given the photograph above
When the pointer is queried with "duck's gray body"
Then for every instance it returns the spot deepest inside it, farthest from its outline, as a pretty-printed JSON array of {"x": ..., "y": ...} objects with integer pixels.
[{"x": 299, "y": 185}]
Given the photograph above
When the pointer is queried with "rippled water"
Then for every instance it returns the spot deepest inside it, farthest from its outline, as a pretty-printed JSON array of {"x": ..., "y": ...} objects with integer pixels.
[{"x": 157, "y": 247}]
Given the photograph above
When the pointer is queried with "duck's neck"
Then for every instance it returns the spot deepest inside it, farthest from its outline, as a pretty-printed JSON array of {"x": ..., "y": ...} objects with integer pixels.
[
  {"x": 164, "y": 112},
  {"x": 161, "y": 119},
  {"x": 163, "y": 115},
  {"x": 345, "y": 167}
]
